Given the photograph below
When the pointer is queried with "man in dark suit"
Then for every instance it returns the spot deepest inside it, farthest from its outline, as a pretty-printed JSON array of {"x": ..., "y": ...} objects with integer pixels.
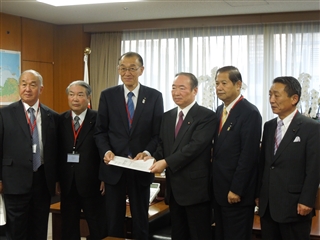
[
  {"x": 79, "y": 163},
  {"x": 235, "y": 158},
  {"x": 289, "y": 166},
  {"x": 128, "y": 126},
  {"x": 28, "y": 157},
  {"x": 185, "y": 152}
]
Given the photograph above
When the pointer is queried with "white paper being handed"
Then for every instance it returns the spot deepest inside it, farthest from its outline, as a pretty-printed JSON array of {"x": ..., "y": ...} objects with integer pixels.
[{"x": 139, "y": 165}]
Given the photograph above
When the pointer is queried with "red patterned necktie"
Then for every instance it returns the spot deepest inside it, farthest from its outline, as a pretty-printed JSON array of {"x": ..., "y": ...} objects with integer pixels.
[{"x": 180, "y": 121}]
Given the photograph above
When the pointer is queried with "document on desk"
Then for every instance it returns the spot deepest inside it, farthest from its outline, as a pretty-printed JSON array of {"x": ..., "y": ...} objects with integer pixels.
[{"x": 139, "y": 165}]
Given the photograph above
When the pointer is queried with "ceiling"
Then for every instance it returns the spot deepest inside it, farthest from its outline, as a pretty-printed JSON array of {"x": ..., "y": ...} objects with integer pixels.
[{"x": 149, "y": 9}]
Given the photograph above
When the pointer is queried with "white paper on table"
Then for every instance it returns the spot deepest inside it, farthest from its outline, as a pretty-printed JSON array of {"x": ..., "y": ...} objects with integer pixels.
[{"x": 139, "y": 165}]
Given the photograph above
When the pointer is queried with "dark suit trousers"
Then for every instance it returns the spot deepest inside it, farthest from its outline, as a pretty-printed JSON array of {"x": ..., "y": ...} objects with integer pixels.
[
  {"x": 272, "y": 230},
  {"x": 190, "y": 222},
  {"x": 234, "y": 222},
  {"x": 116, "y": 206},
  {"x": 27, "y": 214},
  {"x": 94, "y": 211}
]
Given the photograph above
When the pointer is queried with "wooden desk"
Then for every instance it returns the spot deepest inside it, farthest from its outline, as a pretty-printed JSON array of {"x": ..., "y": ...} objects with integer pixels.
[
  {"x": 155, "y": 210},
  {"x": 315, "y": 228}
]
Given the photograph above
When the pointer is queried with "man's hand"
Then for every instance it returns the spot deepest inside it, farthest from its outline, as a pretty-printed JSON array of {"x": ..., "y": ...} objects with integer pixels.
[
  {"x": 102, "y": 188},
  {"x": 303, "y": 210},
  {"x": 159, "y": 166},
  {"x": 58, "y": 189},
  {"x": 257, "y": 202},
  {"x": 108, "y": 157},
  {"x": 140, "y": 156},
  {"x": 1, "y": 187},
  {"x": 233, "y": 198}
]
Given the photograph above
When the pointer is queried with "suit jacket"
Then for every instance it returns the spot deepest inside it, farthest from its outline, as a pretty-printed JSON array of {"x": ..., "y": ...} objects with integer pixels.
[
  {"x": 188, "y": 156},
  {"x": 16, "y": 148},
  {"x": 86, "y": 172},
  {"x": 113, "y": 133},
  {"x": 291, "y": 176},
  {"x": 236, "y": 154}
]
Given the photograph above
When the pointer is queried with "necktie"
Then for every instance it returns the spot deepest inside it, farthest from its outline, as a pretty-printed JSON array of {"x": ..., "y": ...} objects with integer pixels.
[
  {"x": 76, "y": 123},
  {"x": 130, "y": 107},
  {"x": 278, "y": 136},
  {"x": 35, "y": 140},
  {"x": 223, "y": 118},
  {"x": 180, "y": 121}
]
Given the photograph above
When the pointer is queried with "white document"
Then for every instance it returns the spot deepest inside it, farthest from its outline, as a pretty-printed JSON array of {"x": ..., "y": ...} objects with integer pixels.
[{"x": 140, "y": 165}]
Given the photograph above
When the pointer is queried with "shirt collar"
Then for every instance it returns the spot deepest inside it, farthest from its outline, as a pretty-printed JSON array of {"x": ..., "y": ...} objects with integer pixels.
[
  {"x": 186, "y": 109},
  {"x": 287, "y": 120},
  {"x": 81, "y": 116},
  {"x": 230, "y": 106},
  {"x": 135, "y": 91},
  {"x": 35, "y": 106}
]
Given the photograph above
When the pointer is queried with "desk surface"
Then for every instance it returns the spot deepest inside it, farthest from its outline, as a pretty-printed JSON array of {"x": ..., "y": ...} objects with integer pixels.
[
  {"x": 315, "y": 228},
  {"x": 155, "y": 210}
]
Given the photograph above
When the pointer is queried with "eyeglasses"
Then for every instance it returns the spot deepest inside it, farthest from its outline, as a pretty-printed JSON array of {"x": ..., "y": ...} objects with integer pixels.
[{"x": 131, "y": 69}]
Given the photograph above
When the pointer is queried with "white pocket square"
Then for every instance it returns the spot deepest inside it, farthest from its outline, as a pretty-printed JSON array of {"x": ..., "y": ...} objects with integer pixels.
[{"x": 297, "y": 139}]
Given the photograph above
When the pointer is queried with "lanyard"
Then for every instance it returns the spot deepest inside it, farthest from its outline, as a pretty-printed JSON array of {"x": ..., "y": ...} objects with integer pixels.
[
  {"x": 220, "y": 126},
  {"x": 75, "y": 133},
  {"x": 34, "y": 124}
]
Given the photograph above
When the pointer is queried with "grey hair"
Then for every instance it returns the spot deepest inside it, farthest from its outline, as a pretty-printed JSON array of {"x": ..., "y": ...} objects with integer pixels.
[
  {"x": 35, "y": 73},
  {"x": 82, "y": 84}
]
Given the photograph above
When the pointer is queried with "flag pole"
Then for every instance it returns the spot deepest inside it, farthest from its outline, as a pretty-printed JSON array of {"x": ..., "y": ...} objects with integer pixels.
[{"x": 87, "y": 52}]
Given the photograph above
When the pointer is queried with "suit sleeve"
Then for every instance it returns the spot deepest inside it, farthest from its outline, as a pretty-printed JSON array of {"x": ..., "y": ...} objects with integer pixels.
[
  {"x": 156, "y": 123},
  {"x": 102, "y": 125},
  {"x": 312, "y": 170}
]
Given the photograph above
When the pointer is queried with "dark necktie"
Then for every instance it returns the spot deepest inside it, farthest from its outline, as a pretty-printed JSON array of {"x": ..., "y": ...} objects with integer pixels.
[
  {"x": 35, "y": 140},
  {"x": 278, "y": 136},
  {"x": 130, "y": 107},
  {"x": 76, "y": 123},
  {"x": 180, "y": 121}
]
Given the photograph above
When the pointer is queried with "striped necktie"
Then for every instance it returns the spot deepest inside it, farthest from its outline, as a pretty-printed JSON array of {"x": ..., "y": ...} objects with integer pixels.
[
  {"x": 278, "y": 136},
  {"x": 35, "y": 141},
  {"x": 76, "y": 123}
]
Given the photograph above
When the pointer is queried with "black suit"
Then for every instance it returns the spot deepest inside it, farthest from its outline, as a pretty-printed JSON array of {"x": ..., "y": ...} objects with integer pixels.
[
  {"x": 80, "y": 182},
  {"x": 27, "y": 193},
  {"x": 113, "y": 134},
  {"x": 291, "y": 176},
  {"x": 235, "y": 168},
  {"x": 188, "y": 173}
]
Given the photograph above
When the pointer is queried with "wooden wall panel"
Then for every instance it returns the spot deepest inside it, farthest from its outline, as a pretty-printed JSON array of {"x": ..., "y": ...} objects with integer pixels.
[
  {"x": 10, "y": 32},
  {"x": 46, "y": 71},
  {"x": 37, "y": 41},
  {"x": 70, "y": 42}
]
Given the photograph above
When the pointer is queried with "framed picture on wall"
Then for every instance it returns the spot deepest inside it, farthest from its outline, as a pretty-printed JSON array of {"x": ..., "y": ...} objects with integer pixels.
[{"x": 10, "y": 70}]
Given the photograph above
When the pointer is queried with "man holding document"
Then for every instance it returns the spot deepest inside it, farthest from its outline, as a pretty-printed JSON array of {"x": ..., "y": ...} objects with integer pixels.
[
  {"x": 185, "y": 151},
  {"x": 128, "y": 124}
]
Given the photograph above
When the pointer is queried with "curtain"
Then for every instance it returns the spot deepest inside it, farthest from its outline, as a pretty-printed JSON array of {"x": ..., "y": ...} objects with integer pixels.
[
  {"x": 105, "y": 51},
  {"x": 260, "y": 52}
]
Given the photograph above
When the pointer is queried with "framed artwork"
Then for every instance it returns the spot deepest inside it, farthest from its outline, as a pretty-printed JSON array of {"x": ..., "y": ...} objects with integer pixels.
[{"x": 10, "y": 70}]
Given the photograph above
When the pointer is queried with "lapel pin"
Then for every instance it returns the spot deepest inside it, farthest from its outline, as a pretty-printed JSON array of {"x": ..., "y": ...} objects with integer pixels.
[
  {"x": 229, "y": 128},
  {"x": 143, "y": 100}
]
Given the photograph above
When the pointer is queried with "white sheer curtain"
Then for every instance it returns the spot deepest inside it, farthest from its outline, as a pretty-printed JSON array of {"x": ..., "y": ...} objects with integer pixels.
[{"x": 260, "y": 52}]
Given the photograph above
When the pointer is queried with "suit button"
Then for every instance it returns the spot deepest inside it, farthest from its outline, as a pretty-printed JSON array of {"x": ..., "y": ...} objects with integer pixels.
[{"x": 272, "y": 167}]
